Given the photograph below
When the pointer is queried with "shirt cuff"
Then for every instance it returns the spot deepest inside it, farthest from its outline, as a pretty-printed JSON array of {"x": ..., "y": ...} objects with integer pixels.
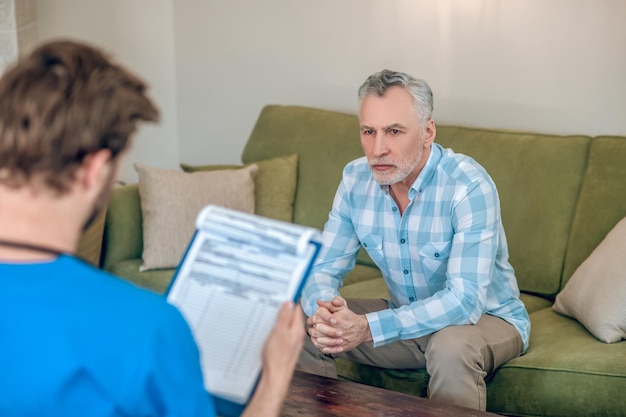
[{"x": 383, "y": 327}]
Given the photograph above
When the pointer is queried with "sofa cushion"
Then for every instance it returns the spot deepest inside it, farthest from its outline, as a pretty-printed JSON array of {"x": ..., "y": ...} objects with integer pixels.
[
  {"x": 366, "y": 288},
  {"x": 538, "y": 178},
  {"x": 361, "y": 273},
  {"x": 123, "y": 235},
  {"x": 565, "y": 372},
  {"x": 157, "y": 280},
  {"x": 171, "y": 201},
  {"x": 534, "y": 302},
  {"x": 90, "y": 244},
  {"x": 274, "y": 184},
  {"x": 595, "y": 294}
]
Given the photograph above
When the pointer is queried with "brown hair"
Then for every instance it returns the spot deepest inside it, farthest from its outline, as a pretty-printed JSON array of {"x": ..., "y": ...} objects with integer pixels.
[{"x": 61, "y": 103}]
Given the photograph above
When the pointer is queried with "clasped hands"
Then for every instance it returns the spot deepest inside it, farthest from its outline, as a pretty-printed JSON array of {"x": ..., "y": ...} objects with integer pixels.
[{"x": 334, "y": 328}]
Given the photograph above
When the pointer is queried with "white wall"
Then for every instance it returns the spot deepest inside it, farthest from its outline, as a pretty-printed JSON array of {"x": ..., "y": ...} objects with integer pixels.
[
  {"x": 554, "y": 66},
  {"x": 8, "y": 34},
  {"x": 140, "y": 35}
]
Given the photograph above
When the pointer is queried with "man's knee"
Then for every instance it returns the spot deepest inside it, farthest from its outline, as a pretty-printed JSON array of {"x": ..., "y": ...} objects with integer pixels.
[{"x": 453, "y": 346}]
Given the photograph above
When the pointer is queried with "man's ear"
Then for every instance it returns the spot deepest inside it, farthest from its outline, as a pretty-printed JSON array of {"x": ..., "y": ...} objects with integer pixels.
[
  {"x": 429, "y": 133},
  {"x": 95, "y": 169}
]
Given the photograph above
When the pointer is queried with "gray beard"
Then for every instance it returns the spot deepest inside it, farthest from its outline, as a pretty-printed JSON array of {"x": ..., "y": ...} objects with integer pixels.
[{"x": 400, "y": 175}]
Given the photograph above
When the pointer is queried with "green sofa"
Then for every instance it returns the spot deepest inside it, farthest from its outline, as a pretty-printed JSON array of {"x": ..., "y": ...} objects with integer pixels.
[{"x": 560, "y": 196}]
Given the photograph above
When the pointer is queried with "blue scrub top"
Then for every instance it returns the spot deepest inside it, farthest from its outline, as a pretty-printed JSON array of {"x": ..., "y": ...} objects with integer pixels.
[{"x": 76, "y": 341}]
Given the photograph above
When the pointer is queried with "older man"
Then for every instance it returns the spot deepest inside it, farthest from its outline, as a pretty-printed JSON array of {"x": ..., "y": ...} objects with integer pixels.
[{"x": 430, "y": 219}]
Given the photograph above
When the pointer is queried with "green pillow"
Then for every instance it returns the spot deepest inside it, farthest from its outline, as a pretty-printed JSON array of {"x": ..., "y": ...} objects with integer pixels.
[{"x": 274, "y": 184}]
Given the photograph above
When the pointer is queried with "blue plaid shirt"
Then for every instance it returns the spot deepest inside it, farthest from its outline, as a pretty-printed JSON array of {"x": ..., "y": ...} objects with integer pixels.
[{"x": 445, "y": 260}]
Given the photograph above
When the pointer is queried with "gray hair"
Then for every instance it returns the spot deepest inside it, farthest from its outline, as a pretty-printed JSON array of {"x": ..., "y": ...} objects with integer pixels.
[{"x": 377, "y": 84}]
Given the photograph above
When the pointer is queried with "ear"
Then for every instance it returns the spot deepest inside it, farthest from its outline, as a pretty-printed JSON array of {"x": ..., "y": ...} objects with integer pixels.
[
  {"x": 95, "y": 169},
  {"x": 429, "y": 133}
]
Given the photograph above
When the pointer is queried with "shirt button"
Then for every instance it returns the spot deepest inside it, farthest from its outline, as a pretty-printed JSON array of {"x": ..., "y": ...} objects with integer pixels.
[
  {"x": 395, "y": 209},
  {"x": 437, "y": 255},
  {"x": 365, "y": 245},
  {"x": 402, "y": 240},
  {"x": 411, "y": 298},
  {"x": 406, "y": 271}
]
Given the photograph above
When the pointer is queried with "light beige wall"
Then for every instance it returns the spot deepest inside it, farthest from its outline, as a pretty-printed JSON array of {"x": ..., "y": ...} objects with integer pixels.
[
  {"x": 550, "y": 66},
  {"x": 8, "y": 33},
  {"x": 140, "y": 35},
  {"x": 26, "y": 25},
  {"x": 18, "y": 29}
]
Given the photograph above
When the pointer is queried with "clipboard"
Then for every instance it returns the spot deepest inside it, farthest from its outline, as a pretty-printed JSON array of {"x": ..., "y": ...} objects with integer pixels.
[{"x": 237, "y": 271}]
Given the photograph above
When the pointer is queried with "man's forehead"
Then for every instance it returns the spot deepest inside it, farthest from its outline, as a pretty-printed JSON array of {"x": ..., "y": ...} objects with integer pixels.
[{"x": 385, "y": 116}]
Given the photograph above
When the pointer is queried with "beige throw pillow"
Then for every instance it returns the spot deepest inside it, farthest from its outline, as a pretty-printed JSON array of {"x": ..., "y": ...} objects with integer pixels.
[
  {"x": 595, "y": 293},
  {"x": 171, "y": 200}
]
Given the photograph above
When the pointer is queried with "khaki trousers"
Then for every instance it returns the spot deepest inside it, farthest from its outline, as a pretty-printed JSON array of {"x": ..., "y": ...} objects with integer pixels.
[{"x": 457, "y": 358}]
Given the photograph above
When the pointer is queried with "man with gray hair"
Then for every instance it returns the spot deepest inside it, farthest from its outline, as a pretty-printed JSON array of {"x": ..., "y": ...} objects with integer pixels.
[{"x": 430, "y": 220}]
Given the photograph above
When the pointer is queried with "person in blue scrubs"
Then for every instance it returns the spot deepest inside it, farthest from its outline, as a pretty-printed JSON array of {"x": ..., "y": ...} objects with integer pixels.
[{"x": 75, "y": 340}]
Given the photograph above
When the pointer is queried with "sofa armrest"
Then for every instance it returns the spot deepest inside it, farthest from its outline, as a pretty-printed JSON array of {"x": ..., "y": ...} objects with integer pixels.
[
  {"x": 123, "y": 236},
  {"x": 90, "y": 244}
]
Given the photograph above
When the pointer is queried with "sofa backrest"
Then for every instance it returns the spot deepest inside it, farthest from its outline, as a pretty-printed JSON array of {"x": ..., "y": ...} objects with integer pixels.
[
  {"x": 550, "y": 231},
  {"x": 538, "y": 179},
  {"x": 602, "y": 201},
  {"x": 324, "y": 140}
]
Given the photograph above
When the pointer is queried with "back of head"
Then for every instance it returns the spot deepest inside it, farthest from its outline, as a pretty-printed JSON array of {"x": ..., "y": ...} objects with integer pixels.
[
  {"x": 377, "y": 84},
  {"x": 61, "y": 103}
]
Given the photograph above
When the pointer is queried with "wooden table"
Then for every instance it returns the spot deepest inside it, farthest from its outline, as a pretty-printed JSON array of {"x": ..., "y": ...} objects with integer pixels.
[{"x": 312, "y": 395}]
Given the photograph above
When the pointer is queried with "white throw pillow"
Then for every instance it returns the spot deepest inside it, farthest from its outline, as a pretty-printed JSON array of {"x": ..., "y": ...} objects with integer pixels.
[
  {"x": 171, "y": 201},
  {"x": 595, "y": 295}
]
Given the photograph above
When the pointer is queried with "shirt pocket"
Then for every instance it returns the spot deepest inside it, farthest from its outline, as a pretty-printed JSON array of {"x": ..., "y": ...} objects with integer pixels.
[
  {"x": 434, "y": 259},
  {"x": 373, "y": 244}
]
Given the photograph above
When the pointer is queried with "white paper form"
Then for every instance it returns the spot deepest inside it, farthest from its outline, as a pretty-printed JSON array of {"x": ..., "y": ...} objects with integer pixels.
[{"x": 233, "y": 279}]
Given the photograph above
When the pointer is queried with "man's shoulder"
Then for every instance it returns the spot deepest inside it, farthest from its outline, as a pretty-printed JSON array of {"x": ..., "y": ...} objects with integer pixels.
[
  {"x": 358, "y": 170},
  {"x": 104, "y": 288},
  {"x": 92, "y": 319},
  {"x": 357, "y": 165},
  {"x": 120, "y": 305},
  {"x": 357, "y": 179},
  {"x": 461, "y": 167},
  {"x": 60, "y": 291}
]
